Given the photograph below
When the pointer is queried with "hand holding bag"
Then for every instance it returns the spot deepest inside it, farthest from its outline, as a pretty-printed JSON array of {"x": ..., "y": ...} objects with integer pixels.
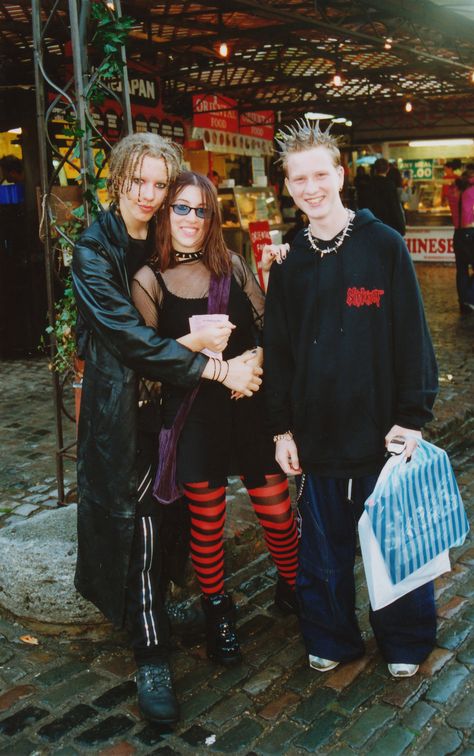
[{"x": 416, "y": 511}]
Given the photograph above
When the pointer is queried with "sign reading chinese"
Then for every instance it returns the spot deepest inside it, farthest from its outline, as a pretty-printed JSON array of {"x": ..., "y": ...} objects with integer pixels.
[
  {"x": 430, "y": 243},
  {"x": 215, "y": 112},
  {"x": 259, "y": 232}
]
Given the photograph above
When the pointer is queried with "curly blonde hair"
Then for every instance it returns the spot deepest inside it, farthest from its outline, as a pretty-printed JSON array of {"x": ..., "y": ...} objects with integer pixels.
[
  {"x": 126, "y": 159},
  {"x": 305, "y": 135}
]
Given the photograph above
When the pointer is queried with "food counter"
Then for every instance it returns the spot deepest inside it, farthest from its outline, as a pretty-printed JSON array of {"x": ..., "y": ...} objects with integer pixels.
[{"x": 241, "y": 205}]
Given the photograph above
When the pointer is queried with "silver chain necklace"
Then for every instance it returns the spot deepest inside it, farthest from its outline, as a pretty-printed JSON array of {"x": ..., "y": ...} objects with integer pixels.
[{"x": 338, "y": 240}]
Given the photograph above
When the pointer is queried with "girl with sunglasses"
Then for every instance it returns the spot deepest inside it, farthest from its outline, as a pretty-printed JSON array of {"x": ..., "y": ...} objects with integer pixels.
[{"x": 223, "y": 432}]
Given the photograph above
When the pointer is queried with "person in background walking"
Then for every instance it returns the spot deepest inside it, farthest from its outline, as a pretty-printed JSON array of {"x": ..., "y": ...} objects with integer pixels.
[
  {"x": 119, "y": 528},
  {"x": 382, "y": 197},
  {"x": 222, "y": 434},
  {"x": 461, "y": 203}
]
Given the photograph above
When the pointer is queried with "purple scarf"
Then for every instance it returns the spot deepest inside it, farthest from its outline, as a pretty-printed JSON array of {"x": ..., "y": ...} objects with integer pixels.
[{"x": 166, "y": 488}]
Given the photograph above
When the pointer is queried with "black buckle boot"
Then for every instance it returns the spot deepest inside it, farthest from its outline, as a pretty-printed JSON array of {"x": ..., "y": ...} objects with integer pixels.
[
  {"x": 285, "y": 598},
  {"x": 156, "y": 698},
  {"x": 222, "y": 643},
  {"x": 187, "y": 622}
]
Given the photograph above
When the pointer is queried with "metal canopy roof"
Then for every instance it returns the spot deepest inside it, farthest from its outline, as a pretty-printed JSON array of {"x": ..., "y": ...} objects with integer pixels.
[{"x": 283, "y": 55}]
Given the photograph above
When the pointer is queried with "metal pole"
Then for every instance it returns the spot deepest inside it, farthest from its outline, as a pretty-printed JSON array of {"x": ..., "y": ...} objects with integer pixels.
[
  {"x": 48, "y": 252},
  {"x": 81, "y": 111},
  {"x": 127, "y": 110}
]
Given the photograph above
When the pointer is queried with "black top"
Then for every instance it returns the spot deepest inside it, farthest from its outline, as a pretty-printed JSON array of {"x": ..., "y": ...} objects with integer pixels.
[
  {"x": 381, "y": 197},
  {"x": 347, "y": 350}
]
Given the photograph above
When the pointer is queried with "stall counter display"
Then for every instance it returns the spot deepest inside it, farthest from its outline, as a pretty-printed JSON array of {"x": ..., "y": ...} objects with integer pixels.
[{"x": 241, "y": 205}]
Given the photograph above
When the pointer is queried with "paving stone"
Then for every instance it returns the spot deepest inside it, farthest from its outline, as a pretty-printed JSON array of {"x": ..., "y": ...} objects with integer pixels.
[
  {"x": 116, "y": 695},
  {"x": 417, "y": 717},
  {"x": 435, "y": 661},
  {"x": 394, "y": 742},
  {"x": 278, "y": 739},
  {"x": 313, "y": 704},
  {"x": 466, "y": 654},
  {"x": 320, "y": 732},
  {"x": 73, "y": 718},
  {"x": 444, "y": 741},
  {"x": 119, "y": 749},
  {"x": 462, "y": 716},
  {"x": 229, "y": 708},
  {"x": 370, "y": 722},
  {"x": 454, "y": 634},
  {"x": 60, "y": 673},
  {"x": 196, "y": 735},
  {"x": 199, "y": 703},
  {"x": 70, "y": 689},
  {"x": 452, "y": 607},
  {"x": 10, "y": 697},
  {"x": 239, "y": 737},
  {"x": 447, "y": 684},
  {"x": 231, "y": 677},
  {"x": 345, "y": 675},
  {"x": 360, "y": 691},
  {"x": 152, "y": 734},
  {"x": 17, "y": 722},
  {"x": 301, "y": 679},
  {"x": 262, "y": 680},
  {"x": 402, "y": 691},
  {"x": 279, "y": 705},
  {"x": 24, "y": 510},
  {"x": 23, "y": 747},
  {"x": 193, "y": 679},
  {"x": 106, "y": 729},
  {"x": 5, "y": 654},
  {"x": 259, "y": 623}
]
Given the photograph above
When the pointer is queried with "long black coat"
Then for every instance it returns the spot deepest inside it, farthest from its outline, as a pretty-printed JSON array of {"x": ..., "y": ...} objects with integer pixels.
[{"x": 120, "y": 348}]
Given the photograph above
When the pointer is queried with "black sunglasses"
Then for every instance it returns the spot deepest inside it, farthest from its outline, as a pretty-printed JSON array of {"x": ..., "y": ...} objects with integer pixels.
[{"x": 201, "y": 212}]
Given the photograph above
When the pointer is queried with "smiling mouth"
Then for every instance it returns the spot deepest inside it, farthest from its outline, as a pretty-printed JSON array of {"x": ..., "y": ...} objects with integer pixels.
[{"x": 146, "y": 208}]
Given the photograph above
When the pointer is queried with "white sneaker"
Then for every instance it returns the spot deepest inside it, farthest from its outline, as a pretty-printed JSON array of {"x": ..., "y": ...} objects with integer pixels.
[
  {"x": 322, "y": 665},
  {"x": 403, "y": 670}
]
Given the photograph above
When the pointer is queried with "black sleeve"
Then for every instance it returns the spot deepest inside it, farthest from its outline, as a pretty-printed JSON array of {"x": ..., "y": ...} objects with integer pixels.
[
  {"x": 278, "y": 355},
  {"x": 109, "y": 313},
  {"x": 415, "y": 363},
  {"x": 251, "y": 288}
]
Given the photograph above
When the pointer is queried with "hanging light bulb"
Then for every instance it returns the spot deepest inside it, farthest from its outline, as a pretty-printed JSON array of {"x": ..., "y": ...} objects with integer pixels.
[
  {"x": 223, "y": 50},
  {"x": 408, "y": 107},
  {"x": 472, "y": 77},
  {"x": 337, "y": 80},
  {"x": 388, "y": 43}
]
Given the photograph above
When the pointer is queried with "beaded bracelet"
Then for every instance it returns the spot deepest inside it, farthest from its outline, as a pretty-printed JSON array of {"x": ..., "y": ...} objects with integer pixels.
[{"x": 287, "y": 436}]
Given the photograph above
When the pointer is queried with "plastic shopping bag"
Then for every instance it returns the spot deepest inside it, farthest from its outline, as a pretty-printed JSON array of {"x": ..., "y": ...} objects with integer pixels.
[
  {"x": 416, "y": 510},
  {"x": 382, "y": 591}
]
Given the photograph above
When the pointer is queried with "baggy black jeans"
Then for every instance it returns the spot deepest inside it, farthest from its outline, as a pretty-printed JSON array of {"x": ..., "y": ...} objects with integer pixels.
[{"x": 405, "y": 630}]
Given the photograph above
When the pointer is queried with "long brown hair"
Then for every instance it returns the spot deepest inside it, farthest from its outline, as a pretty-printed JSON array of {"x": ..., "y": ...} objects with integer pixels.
[{"x": 215, "y": 255}]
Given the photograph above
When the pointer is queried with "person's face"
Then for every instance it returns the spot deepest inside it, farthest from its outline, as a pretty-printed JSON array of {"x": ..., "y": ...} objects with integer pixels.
[
  {"x": 188, "y": 231},
  {"x": 146, "y": 193},
  {"x": 314, "y": 182}
]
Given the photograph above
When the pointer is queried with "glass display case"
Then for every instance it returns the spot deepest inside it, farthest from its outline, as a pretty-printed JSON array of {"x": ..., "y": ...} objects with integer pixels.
[{"x": 241, "y": 205}]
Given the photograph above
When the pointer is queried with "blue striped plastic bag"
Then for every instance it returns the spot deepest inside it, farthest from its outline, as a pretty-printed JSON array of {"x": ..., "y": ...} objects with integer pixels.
[{"x": 416, "y": 510}]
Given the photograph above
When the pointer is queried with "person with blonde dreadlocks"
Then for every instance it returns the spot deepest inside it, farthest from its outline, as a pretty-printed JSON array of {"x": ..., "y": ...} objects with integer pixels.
[{"x": 119, "y": 525}]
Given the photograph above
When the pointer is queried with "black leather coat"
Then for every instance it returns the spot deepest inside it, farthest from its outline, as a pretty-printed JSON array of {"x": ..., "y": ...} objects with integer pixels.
[{"x": 119, "y": 349}]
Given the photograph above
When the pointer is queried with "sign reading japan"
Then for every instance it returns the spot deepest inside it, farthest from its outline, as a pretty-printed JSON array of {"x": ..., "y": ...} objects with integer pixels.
[
  {"x": 215, "y": 112},
  {"x": 419, "y": 169}
]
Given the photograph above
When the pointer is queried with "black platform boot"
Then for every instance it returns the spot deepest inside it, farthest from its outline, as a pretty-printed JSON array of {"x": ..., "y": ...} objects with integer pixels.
[
  {"x": 285, "y": 598},
  {"x": 222, "y": 643},
  {"x": 156, "y": 699}
]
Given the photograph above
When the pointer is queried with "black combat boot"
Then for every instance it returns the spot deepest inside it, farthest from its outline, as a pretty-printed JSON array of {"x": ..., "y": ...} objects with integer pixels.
[
  {"x": 156, "y": 699},
  {"x": 222, "y": 643},
  {"x": 285, "y": 598},
  {"x": 187, "y": 622}
]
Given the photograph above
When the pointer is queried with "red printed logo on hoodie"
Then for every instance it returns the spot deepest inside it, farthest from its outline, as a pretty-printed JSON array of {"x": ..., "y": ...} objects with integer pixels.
[{"x": 360, "y": 297}]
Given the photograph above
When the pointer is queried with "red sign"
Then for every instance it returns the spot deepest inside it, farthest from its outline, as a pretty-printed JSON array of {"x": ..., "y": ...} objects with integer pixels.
[
  {"x": 259, "y": 232},
  {"x": 215, "y": 112},
  {"x": 259, "y": 123}
]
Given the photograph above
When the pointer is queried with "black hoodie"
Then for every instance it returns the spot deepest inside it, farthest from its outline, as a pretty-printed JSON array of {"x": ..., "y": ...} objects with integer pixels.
[{"x": 348, "y": 353}]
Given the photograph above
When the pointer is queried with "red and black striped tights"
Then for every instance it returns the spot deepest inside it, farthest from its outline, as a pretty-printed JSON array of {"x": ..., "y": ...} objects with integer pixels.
[{"x": 207, "y": 507}]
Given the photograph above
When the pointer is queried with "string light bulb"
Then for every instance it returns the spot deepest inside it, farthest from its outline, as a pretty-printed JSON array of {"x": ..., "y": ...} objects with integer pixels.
[
  {"x": 472, "y": 77},
  {"x": 223, "y": 50},
  {"x": 388, "y": 43},
  {"x": 337, "y": 80},
  {"x": 408, "y": 107}
]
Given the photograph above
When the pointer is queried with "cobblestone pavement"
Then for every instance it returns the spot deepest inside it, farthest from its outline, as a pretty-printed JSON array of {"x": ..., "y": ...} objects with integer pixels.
[{"x": 69, "y": 696}]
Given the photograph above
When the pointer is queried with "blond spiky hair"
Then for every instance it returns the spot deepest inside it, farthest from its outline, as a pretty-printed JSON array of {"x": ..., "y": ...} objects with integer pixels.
[
  {"x": 127, "y": 157},
  {"x": 305, "y": 135}
]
